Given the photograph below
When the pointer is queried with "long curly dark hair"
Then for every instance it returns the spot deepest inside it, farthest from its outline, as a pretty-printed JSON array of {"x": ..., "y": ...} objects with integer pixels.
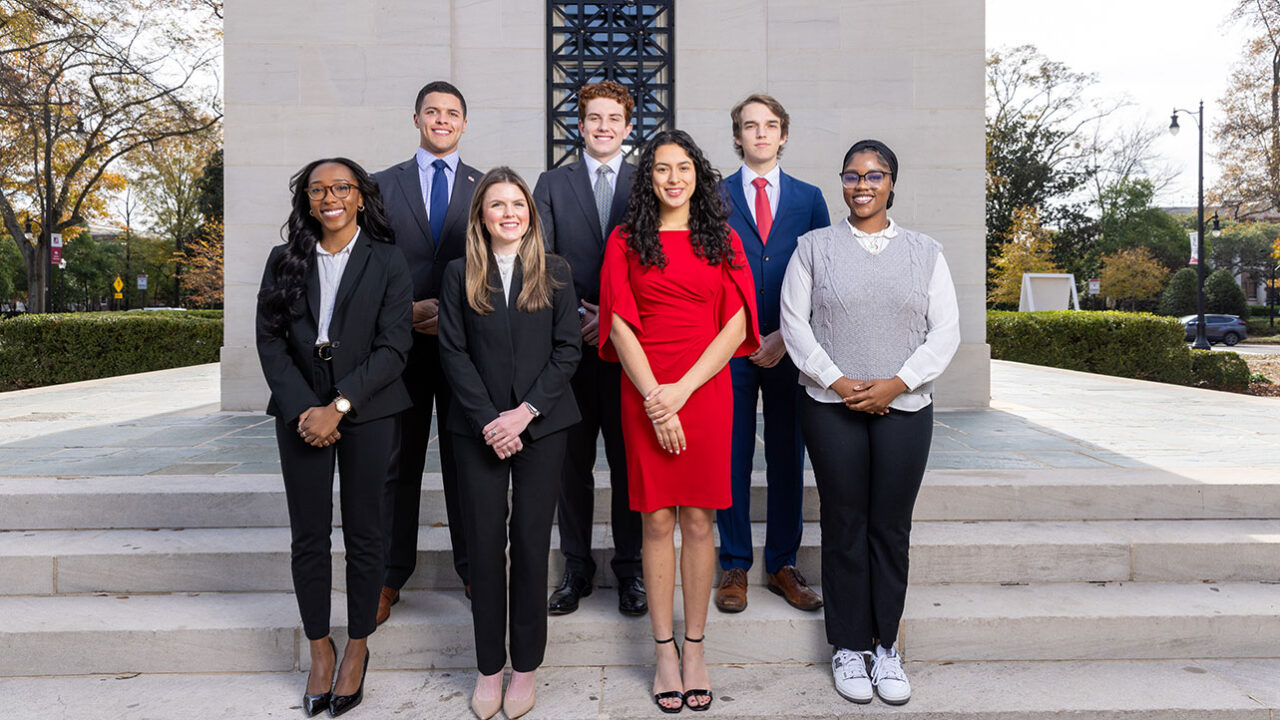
[
  {"x": 708, "y": 207},
  {"x": 282, "y": 301}
]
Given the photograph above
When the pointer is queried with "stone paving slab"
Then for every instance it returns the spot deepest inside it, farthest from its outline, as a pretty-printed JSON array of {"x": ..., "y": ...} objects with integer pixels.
[{"x": 1116, "y": 690}]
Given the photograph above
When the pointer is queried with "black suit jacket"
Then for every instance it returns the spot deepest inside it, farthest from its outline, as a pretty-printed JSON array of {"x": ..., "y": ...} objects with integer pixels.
[
  {"x": 369, "y": 332},
  {"x": 566, "y": 204},
  {"x": 495, "y": 362}
]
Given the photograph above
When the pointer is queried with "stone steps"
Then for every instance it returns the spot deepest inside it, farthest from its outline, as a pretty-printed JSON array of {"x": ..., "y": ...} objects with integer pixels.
[
  {"x": 192, "y": 501},
  {"x": 43, "y": 562},
  {"x": 256, "y": 632},
  {"x": 1105, "y": 690}
]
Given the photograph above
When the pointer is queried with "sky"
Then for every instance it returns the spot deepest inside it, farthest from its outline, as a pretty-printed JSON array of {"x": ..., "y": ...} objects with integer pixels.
[{"x": 1160, "y": 54}]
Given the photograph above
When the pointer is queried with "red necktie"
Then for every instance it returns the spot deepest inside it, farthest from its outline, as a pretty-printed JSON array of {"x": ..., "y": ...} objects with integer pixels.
[{"x": 764, "y": 216}]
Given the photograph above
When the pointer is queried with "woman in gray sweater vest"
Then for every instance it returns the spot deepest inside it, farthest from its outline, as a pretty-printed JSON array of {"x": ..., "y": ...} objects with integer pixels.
[{"x": 869, "y": 316}]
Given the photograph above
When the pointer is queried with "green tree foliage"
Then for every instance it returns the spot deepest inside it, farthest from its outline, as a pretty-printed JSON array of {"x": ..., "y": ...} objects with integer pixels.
[
  {"x": 1179, "y": 297},
  {"x": 1130, "y": 221},
  {"x": 92, "y": 265},
  {"x": 210, "y": 185},
  {"x": 13, "y": 277},
  {"x": 1222, "y": 294},
  {"x": 1245, "y": 248}
]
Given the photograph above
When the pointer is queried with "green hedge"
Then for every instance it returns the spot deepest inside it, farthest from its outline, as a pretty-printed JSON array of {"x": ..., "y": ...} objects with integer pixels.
[
  {"x": 38, "y": 350},
  {"x": 1134, "y": 345},
  {"x": 1220, "y": 370}
]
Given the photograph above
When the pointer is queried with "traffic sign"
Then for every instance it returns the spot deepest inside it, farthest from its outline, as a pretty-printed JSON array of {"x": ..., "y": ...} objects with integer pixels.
[
  {"x": 142, "y": 282},
  {"x": 118, "y": 285}
]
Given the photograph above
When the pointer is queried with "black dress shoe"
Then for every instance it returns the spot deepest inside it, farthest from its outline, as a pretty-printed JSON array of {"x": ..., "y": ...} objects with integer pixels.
[
  {"x": 342, "y": 703},
  {"x": 632, "y": 599},
  {"x": 565, "y": 599},
  {"x": 313, "y": 705}
]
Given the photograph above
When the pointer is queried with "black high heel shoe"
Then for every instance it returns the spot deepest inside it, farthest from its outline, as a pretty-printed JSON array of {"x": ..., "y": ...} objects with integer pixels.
[
  {"x": 315, "y": 704},
  {"x": 342, "y": 703},
  {"x": 670, "y": 694},
  {"x": 696, "y": 692}
]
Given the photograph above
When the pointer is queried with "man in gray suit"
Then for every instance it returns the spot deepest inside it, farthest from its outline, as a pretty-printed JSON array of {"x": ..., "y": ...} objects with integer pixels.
[
  {"x": 427, "y": 198},
  {"x": 579, "y": 205}
]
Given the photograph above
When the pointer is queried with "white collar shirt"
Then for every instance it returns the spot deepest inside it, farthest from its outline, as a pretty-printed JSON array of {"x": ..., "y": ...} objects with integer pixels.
[
  {"x": 593, "y": 167},
  {"x": 875, "y": 242},
  {"x": 771, "y": 190},
  {"x": 427, "y": 173},
  {"x": 330, "y": 266}
]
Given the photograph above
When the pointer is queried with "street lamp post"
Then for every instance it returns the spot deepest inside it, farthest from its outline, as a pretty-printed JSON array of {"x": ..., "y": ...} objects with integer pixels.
[{"x": 1202, "y": 340}]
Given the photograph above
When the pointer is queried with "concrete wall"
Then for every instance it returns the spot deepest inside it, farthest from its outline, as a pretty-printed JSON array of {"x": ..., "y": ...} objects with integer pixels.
[{"x": 307, "y": 79}]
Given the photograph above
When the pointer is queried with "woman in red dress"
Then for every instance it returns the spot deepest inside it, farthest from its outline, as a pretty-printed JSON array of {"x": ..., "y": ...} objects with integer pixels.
[{"x": 676, "y": 302}]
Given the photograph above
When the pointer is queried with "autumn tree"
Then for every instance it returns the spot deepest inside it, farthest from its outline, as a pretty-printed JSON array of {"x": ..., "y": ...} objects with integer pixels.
[
  {"x": 203, "y": 259},
  {"x": 1132, "y": 274},
  {"x": 83, "y": 85},
  {"x": 1028, "y": 250},
  {"x": 1248, "y": 136}
]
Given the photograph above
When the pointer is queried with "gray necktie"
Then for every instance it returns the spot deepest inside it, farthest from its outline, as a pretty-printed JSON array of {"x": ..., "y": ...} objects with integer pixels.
[{"x": 604, "y": 197}]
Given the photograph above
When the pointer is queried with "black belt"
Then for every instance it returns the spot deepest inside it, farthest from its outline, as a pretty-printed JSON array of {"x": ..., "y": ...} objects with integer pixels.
[{"x": 324, "y": 352}]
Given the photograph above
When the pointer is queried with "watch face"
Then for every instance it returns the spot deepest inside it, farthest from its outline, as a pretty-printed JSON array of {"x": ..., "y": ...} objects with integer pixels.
[{"x": 343, "y": 405}]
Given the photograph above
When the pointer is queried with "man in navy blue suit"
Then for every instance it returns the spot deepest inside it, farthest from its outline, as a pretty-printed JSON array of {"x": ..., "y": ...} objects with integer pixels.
[{"x": 770, "y": 209}]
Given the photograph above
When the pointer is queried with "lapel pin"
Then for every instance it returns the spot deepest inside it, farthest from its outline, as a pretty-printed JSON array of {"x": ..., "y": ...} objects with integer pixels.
[{"x": 471, "y": 178}]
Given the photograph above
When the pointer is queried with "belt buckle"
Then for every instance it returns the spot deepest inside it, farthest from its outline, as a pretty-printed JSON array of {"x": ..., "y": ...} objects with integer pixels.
[{"x": 324, "y": 352}]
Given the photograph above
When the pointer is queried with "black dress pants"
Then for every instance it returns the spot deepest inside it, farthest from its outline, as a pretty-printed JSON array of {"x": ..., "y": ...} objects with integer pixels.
[
  {"x": 533, "y": 476},
  {"x": 361, "y": 457},
  {"x": 597, "y": 386},
  {"x": 426, "y": 384},
  {"x": 868, "y": 469}
]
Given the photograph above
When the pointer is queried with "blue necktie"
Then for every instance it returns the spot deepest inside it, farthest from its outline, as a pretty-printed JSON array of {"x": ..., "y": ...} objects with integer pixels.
[{"x": 439, "y": 204}]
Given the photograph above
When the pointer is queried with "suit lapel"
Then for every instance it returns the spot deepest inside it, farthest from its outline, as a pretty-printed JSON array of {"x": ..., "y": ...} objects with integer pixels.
[
  {"x": 734, "y": 185},
  {"x": 313, "y": 291},
  {"x": 464, "y": 184},
  {"x": 410, "y": 184},
  {"x": 784, "y": 194},
  {"x": 580, "y": 181},
  {"x": 351, "y": 274},
  {"x": 621, "y": 193}
]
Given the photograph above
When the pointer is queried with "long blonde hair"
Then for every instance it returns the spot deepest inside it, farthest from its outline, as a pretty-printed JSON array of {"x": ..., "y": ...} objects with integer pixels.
[{"x": 537, "y": 283}]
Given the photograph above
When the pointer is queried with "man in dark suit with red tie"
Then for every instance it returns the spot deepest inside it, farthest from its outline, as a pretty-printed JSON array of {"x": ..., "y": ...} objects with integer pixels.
[
  {"x": 579, "y": 205},
  {"x": 427, "y": 198},
  {"x": 769, "y": 210}
]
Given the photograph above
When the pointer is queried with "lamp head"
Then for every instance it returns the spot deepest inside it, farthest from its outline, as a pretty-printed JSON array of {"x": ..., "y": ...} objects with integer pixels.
[{"x": 1173, "y": 124}]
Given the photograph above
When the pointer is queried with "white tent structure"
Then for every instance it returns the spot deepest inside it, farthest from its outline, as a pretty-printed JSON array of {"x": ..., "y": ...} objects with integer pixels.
[{"x": 1048, "y": 291}]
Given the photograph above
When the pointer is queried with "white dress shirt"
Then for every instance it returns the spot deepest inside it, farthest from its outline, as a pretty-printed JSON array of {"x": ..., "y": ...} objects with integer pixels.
[
  {"x": 427, "y": 173},
  {"x": 331, "y": 266},
  {"x": 593, "y": 167},
  {"x": 925, "y": 364},
  {"x": 770, "y": 190},
  {"x": 506, "y": 268}
]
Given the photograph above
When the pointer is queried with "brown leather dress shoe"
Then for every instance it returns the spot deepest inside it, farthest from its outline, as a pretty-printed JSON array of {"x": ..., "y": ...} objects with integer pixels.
[
  {"x": 790, "y": 584},
  {"x": 388, "y": 597},
  {"x": 732, "y": 595}
]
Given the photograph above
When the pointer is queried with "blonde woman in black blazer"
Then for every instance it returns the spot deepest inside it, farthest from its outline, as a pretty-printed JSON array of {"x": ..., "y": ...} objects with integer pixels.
[
  {"x": 333, "y": 333},
  {"x": 509, "y": 344}
]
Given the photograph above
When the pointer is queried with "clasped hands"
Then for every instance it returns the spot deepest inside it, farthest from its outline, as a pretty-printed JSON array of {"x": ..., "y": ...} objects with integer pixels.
[
  {"x": 318, "y": 426},
  {"x": 661, "y": 405},
  {"x": 869, "y": 396},
  {"x": 503, "y": 433}
]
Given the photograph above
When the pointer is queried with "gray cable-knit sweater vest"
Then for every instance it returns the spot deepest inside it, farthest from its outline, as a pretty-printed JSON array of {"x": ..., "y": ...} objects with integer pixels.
[{"x": 868, "y": 311}]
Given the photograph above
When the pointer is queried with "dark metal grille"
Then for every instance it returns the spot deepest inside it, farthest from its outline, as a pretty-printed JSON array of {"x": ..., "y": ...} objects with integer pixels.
[{"x": 627, "y": 41}]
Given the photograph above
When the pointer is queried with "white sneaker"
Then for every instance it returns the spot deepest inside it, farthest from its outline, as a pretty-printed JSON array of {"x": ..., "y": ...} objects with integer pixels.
[
  {"x": 849, "y": 668},
  {"x": 888, "y": 677}
]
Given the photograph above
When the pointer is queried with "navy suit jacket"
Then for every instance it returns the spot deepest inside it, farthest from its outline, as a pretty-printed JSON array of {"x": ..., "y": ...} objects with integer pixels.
[
  {"x": 570, "y": 225},
  {"x": 801, "y": 208}
]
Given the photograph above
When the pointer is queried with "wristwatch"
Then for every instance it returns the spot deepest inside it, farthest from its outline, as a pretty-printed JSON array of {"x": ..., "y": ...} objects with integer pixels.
[
  {"x": 342, "y": 405},
  {"x": 532, "y": 409}
]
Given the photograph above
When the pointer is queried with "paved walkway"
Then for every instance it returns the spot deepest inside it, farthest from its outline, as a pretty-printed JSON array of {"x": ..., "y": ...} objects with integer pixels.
[{"x": 168, "y": 423}]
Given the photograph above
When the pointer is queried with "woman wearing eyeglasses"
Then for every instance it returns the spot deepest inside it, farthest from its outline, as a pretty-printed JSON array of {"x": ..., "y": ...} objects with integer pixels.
[
  {"x": 333, "y": 331},
  {"x": 869, "y": 316}
]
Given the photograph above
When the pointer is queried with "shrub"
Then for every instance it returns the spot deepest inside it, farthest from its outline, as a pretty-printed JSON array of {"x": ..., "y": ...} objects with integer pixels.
[
  {"x": 1135, "y": 345},
  {"x": 1220, "y": 370},
  {"x": 40, "y": 350},
  {"x": 1222, "y": 294},
  {"x": 1179, "y": 296}
]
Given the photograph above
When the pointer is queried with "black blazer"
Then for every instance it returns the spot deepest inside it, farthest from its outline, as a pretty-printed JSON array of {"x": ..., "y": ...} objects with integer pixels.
[
  {"x": 566, "y": 204},
  {"x": 497, "y": 361},
  {"x": 401, "y": 190},
  {"x": 369, "y": 333}
]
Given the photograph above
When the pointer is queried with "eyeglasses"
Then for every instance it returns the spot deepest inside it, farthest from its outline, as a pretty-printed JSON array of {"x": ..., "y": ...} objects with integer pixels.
[
  {"x": 873, "y": 178},
  {"x": 339, "y": 190}
]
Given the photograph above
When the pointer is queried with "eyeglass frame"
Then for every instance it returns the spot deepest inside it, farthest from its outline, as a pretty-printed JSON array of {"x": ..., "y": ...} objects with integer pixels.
[
  {"x": 327, "y": 189},
  {"x": 861, "y": 177}
]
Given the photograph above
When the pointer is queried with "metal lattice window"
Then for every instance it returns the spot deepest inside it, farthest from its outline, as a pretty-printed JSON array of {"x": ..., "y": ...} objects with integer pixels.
[{"x": 627, "y": 41}]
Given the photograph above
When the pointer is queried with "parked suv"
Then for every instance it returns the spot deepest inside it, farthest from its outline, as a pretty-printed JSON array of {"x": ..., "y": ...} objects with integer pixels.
[{"x": 1229, "y": 329}]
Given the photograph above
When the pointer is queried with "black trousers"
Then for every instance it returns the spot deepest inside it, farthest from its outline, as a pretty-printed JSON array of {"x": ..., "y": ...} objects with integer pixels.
[
  {"x": 361, "y": 457},
  {"x": 597, "y": 386},
  {"x": 533, "y": 476},
  {"x": 427, "y": 386},
  {"x": 869, "y": 469}
]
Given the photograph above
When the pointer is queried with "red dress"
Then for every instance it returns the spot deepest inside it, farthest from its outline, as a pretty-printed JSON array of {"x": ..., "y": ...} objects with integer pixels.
[{"x": 676, "y": 312}]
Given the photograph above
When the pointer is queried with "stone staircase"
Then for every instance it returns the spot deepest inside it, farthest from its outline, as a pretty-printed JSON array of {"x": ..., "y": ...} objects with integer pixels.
[{"x": 1111, "y": 593}]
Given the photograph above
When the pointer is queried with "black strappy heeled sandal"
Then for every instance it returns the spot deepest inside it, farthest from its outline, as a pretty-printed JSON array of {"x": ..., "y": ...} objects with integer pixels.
[
  {"x": 696, "y": 692},
  {"x": 670, "y": 694}
]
